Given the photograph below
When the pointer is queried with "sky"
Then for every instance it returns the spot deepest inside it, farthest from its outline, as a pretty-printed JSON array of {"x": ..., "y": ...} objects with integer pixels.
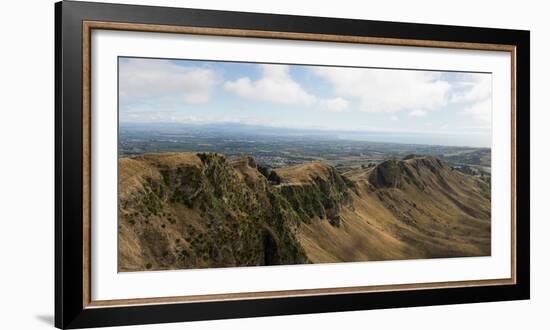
[{"x": 454, "y": 107}]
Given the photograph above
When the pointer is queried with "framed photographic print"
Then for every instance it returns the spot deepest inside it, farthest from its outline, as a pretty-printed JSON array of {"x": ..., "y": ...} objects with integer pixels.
[{"x": 214, "y": 164}]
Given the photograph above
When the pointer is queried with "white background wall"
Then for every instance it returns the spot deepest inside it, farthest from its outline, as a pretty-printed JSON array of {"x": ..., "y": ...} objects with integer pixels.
[{"x": 27, "y": 169}]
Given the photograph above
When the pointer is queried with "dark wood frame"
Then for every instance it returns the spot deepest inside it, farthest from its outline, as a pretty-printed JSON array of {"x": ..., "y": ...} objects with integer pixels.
[{"x": 74, "y": 22}]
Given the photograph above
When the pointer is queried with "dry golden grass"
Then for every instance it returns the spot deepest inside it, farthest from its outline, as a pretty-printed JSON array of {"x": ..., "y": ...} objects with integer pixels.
[
  {"x": 413, "y": 209},
  {"x": 441, "y": 215},
  {"x": 303, "y": 173},
  {"x": 171, "y": 159},
  {"x": 134, "y": 254}
]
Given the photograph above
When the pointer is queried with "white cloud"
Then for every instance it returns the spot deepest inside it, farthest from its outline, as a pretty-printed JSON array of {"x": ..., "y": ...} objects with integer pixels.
[
  {"x": 182, "y": 117},
  {"x": 481, "y": 111},
  {"x": 275, "y": 85},
  {"x": 382, "y": 90},
  {"x": 475, "y": 97},
  {"x": 418, "y": 113},
  {"x": 337, "y": 104},
  {"x": 142, "y": 79},
  {"x": 476, "y": 87}
]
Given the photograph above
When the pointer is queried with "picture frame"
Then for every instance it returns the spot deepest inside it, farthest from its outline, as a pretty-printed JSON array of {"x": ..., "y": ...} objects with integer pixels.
[{"x": 74, "y": 24}]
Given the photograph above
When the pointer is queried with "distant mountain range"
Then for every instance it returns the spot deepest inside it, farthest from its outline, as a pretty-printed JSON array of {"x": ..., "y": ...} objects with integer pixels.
[{"x": 199, "y": 210}]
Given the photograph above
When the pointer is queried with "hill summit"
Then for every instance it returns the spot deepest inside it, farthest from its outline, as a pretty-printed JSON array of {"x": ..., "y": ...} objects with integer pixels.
[{"x": 197, "y": 210}]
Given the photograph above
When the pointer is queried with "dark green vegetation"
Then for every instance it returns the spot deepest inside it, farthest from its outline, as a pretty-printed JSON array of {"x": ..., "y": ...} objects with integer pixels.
[
  {"x": 207, "y": 216},
  {"x": 485, "y": 185},
  {"x": 197, "y": 210},
  {"x": 321, "y": 199}
]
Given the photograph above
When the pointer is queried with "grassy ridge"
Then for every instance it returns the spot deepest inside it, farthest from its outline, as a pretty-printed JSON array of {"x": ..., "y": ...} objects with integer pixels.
[{"x": 197, "y": 210}]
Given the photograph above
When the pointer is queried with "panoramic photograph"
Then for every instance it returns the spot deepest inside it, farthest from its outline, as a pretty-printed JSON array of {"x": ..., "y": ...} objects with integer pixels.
[{"x": 234, "y": 164}]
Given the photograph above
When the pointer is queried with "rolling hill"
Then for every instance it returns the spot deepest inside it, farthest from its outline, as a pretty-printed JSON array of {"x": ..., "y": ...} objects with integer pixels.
[{"x": 198, "y": 210}]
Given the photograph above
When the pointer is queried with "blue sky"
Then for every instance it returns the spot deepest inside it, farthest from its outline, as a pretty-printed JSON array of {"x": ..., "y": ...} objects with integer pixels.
[{"x": 451, "y": 107}]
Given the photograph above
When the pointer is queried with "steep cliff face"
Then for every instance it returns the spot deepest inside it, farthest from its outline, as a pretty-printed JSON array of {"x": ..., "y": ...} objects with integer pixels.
[
  {"x": 315, "y": 191},
  {"x": 195, "y": 210},
  {"x": 199, "y": 210}
]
